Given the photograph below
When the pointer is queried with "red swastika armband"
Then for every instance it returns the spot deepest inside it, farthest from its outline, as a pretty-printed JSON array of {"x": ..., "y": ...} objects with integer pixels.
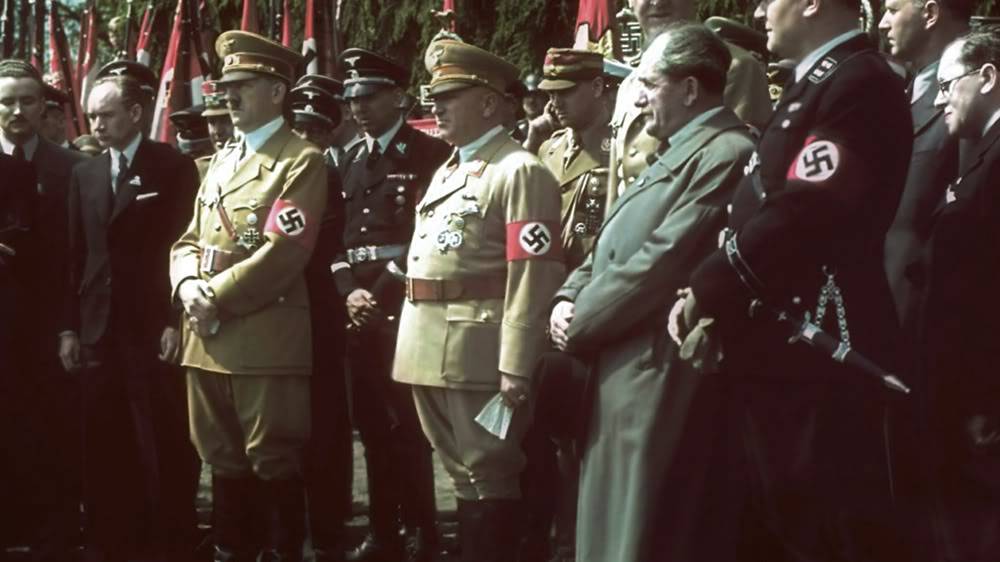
[
  {"x": 288, "y": 221},
  {"x": 533, "y": 240},
  {"x": 817, "y": 162}
]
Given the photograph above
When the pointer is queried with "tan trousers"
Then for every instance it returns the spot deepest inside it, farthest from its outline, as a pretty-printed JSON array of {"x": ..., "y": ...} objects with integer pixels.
[
  {"x": 242, "y": 424},
  {"x": 481, "y": 465}
]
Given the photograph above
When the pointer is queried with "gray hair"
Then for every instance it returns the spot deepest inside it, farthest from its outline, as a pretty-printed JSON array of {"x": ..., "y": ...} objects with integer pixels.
[{"x": 691, "y": 49}]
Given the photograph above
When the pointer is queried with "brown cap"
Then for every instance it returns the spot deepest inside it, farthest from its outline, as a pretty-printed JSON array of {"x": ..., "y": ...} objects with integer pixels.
[
  {"x": 564, "y": 68},
  {"x": 214, "y": 99},
  {"x": 455, "y": 65},
  {"x": 248, "y": 55}
]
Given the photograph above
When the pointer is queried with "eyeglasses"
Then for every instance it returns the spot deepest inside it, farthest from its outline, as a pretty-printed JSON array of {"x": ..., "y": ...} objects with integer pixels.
[{"x": 945, "y": 86}]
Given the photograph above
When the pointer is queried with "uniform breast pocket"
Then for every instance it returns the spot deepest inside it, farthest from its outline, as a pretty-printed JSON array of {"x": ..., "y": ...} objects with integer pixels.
[
  {"x": 399, "y": 198},
  {"x": 248, "y": 220},
  {"x": 472, "y": 342}
]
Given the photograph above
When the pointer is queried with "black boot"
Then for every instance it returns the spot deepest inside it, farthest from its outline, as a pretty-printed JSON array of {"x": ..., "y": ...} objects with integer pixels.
[
  {"x": 418, "y": 508},
  {"x": 286, "y": 509},
  {"x": 232, "y": 506},
  {"x": 383, "y": 543},
  {"x": 488, "y": 530}
]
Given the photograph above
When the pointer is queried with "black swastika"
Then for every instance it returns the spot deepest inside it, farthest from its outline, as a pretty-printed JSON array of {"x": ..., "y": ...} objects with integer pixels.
[
  {"x": 818, "y": 161},
  {"x": 291, "y": 221},
  {"x": 536, "y": 240}
]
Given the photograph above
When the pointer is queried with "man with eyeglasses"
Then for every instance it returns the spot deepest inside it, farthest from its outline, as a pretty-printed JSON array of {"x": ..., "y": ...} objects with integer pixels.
[
  {"x": 805, "y": 235},
  {"x": 238, "y": 273},
  {"x": 960, "y": 328}
]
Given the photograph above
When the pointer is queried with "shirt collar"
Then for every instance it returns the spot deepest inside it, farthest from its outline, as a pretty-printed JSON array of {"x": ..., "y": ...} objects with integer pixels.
[
  {"x": 256, "y": 138},
  {"x": 386, "y": 137},
  {"x": 992, "y": 121},
  {"x": 812, "y": 58},
  {"x": 923, "y": 80},
  {"x": 465, "y": 153},
  {"x": 29, "y": 147},
  {"x": 687, "y": 130},
  {"x": 129, "y": 151}
]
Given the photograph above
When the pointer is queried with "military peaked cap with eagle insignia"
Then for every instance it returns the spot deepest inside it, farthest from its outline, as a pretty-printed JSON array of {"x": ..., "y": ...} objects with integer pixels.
[
  {"x": 564, "y": 68},
  {"x": 455, "y": 65},
  {"x": 137, "y": 71},
  {"x": 333, "y": 86},
  {"x": 214, "y": 99},
  {"x": 369, "y": 72},
  {"x": 312, "y": 103},
  {"x": 247, "y": 55}
]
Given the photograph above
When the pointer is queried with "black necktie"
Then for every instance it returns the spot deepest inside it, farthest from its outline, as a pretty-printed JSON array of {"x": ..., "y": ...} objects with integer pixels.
[
  {"x": 18, "y": 153},
  {"x": 374, "y": 155},
  {"x": 122, "y": 171}
]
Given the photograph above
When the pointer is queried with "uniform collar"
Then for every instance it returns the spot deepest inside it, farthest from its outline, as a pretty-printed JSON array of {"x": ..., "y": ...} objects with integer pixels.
[
  {"x": 991, "y": 122},
  {"x": 812, "y": 58},
  {"x": 385, "y": 138},
  {"x": 256, "y": 138},
  {"x": 29, "y": 147},
  {"x": 465, "y": 153}
]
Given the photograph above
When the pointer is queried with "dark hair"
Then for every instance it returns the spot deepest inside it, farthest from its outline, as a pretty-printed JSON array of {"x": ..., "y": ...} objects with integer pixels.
[
  {"x": 981, "y": 47},
  {"x": 691, "y": 49},
  {"x": 131, "y": 90},
  {"x": 17, "y": 68}
]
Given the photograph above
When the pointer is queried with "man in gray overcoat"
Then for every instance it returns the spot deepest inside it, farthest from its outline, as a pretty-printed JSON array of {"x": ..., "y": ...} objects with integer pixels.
[{"x": 644, "y": 482}]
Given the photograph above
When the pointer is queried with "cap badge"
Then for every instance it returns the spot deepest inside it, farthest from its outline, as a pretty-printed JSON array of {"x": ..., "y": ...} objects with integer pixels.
[
  {"x": 351, "y": 61},
  {"x": 436, "y": 55}
]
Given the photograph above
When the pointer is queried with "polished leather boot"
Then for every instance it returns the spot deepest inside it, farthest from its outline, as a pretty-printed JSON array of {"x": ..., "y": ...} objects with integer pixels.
[
  {"x": 286, "y": 508},
  {"x": 232, "y": 508}
]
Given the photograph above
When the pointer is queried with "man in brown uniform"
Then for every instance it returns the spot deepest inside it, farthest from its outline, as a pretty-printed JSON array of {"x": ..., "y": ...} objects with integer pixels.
[
  {"x": 238, "y": 271},
  {"x": 484, "y": 257}
]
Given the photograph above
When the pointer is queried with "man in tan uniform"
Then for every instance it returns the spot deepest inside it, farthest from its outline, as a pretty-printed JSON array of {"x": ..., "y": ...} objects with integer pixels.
[
  {"x": 578, "y": 155},
  {"x": 633, "y": 149},
  {"x": 238, "y": 271},
  {"x": 484, "y": 256}
]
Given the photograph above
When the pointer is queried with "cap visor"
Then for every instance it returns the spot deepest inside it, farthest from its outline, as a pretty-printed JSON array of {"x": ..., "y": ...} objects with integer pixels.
[
  {"x": 555, "y": 85},
  {"x": 361, "y": 89},
  {"x": 215, "y": 112},
  {"x": 239, "y": 76},
  {"x": 310, "y": 117},
  {"x": 449, "y": 86}
]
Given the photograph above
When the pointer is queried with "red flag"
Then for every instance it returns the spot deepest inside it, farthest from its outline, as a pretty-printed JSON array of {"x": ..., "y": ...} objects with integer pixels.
[
  {"x": 449, "y": 6},
  {"x": 60, "y": 68},
  {"x": 319, "y": 38},
  {"x": 183, "y": 73},
  {"x": 142, "y": 54},
  {"x": 595, "y": 28},
  {"x": 249, "y": 21},
  {"x": 286, "y": 24},
  {"x": 87, "y": 58}
]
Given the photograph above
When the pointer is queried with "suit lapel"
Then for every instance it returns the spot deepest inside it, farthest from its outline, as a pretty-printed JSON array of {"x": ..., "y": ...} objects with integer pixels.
[
  {"x": 126, "y": 189},
  {"x": 923, "y": 111},
  {"x": 99, "y": 191},
  {"x": 249, "y": 170},
  {"x": 955, "y": 188},
  {"x": 581, "y": 164}
]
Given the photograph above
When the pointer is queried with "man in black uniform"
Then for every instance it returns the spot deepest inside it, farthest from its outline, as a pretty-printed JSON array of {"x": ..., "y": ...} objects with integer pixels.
[
  {"x": 328, "y": 463},
  {"x": 806, "y": 233},
  {"x": 384, "y": 178}
]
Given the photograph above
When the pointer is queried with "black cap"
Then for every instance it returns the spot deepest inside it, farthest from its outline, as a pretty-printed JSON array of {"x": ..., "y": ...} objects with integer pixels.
[
  {"x": 312, "y": 103},
  {"x": 190, "y": 123},
  {"x": 332, "y": 85},
  {"x": 368, "y": 72},
  {"x": 137, "y": 71}
]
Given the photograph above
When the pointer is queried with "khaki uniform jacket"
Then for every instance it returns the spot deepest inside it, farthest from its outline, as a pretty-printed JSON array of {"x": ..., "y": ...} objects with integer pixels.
[
  {"x": 273, "y": 201},
  {"x": 465, "y": 344},
  {"x": 584, "y": 186},
  {"x": 746, "y": 94}
]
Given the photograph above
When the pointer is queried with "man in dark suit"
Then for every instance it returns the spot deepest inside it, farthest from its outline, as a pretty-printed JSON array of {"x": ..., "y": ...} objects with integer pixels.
[
  {"x": 126, "y": 207},
  {"x": 46, "y": 392},
  {"x": 384, "y": 178},
  {"x": 17, "y": 211},
  {"x": 960, "y": 319},
  {"x": 807, "y": 228}
]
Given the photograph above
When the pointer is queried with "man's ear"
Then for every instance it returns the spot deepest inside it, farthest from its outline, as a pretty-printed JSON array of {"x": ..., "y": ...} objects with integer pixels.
[
  {"x": 931, "y": 13},
  {"x": 992, "y": 76},
  {"x": 811, "y": 8}
]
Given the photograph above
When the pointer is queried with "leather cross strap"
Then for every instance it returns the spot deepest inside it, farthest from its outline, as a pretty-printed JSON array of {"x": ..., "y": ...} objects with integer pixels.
[{"x": 440, "y": 290}]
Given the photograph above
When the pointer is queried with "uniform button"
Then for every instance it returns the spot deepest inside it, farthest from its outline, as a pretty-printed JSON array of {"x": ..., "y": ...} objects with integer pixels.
[
  {"x": 430, "y": 213},
  {"x": 364, "y": 229},
  {"x": 786, "y": 123},
  {"x": 631, "y": 179},
  {"x": 368, "y": 192},
  {"x": 485, "y": 316},
  {"x": 366, "y": 211},
  {"x": 281, "y": 299},
  {"x": 218, "y": 227}
]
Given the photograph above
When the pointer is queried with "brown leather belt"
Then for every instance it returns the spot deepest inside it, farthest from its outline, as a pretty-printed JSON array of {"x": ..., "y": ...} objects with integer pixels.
[
  {"x": 473, "y": 288},
  {"x": 215, "y": 260}
]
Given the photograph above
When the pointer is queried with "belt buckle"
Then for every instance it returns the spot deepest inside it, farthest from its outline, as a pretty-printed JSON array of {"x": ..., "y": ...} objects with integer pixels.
[
  {"x": 361, "y": 254},
  {"x": 372, "y": 253}
]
